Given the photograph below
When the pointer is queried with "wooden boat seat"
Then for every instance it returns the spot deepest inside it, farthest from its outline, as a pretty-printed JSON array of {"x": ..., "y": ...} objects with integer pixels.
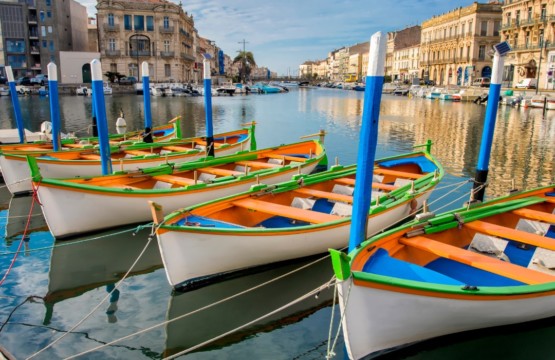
[
  {"x": 177, "y": 148},
  {"x": 512, "y": 234},
  {"x": 396, "y": 173},
  {"x": 221, "y": 172},
  {"x": 535, "y": 215},
  {"x": 325, "y": 195},
  {"x": 287, "y": 157},
  {"x": 375, "y": 185},
  {"x": 138, "y": 152},
  {"x": 309, "y": 216},
  {"x": 172, "y": 179},
  {"x": 258, "y": 164},
  {"x": 203, "y": 143},
  {"x": 478, "y": 261},
  {"x": 90, "y": 157}
]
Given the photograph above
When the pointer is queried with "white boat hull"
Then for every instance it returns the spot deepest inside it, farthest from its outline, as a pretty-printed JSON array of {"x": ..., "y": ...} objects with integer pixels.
[
  {"x": 195, "y": 255},
  {"x": 376, "y": 320},
  {"x": 70, "y": 211},
  {"x": 17, "y": 173}
]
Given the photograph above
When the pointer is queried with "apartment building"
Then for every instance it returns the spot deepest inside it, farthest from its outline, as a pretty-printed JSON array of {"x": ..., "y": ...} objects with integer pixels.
[
  {"x": 528, "y": 28},
  {"x": 157, "y": 31},
  {"x": 403, "y": 53},
  {"x": 455, "y": 47}
]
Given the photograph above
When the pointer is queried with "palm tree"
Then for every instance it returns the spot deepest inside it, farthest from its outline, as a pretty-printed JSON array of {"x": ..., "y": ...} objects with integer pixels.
[{"x": 246, "y": 58}]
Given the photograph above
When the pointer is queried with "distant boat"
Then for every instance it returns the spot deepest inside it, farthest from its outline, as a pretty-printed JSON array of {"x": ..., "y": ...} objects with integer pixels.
[
  {"x": 265, "y": 89},
  {"x": 477, "y": 267},
  {"x": 83, "y": 91},
  {"x": 538, "y": 101},
  {"x": 107, "y": 89}
]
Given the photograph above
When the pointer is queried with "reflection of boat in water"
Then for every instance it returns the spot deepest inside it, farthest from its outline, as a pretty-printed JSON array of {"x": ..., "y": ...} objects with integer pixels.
[
  {"x": 200, "y": 327},
  {"x": 18, "y": 213},
  {"x": 88, "y": 263}
]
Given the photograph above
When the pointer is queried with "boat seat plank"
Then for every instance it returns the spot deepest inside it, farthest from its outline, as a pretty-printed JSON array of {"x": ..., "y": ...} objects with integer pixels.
[
  {"x": 512, "y": 234},
  {"x": 286, "y": 211},
  {"x": 478, "y": 261},
  {"x": 287, "y": 157},
  {"x": 535, "y": 215},
  {"x": 90, "y": 157},
  {"x": 172, "y": 179},
  {"x": 402, "y": 174},
  {"x": 138, "y": 152},
  {"x": 177, "y": 148},
  {"x": 204, "y": 143},
  {"x": 325, "y": 195},
  {"x": 550, "y": 200},
  {"x": 375, "y": 185},
  {"x": 221, "y": 172},
  {"x": 258, "y": 164}
]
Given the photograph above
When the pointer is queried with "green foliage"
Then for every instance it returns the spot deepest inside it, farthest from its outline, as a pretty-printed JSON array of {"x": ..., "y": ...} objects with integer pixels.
[
  {"x": 113, "y": 76},
  {"x": 246, "y": 59}
]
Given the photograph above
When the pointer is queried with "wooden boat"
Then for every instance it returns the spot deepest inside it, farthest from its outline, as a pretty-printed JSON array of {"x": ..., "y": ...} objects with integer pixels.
[
  {"x": 538, "y": 101},
  {"x": 467, "y": 269},
  {"x": 82, "y": 162},
  {"x": 302, "y": 217},
  {"x": 160, "y": 133},
  {"x": 79, "y": 205}
]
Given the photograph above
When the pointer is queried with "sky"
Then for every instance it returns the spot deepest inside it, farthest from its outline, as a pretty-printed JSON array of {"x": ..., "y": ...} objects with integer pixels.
[{"x": 283, "y": 34}]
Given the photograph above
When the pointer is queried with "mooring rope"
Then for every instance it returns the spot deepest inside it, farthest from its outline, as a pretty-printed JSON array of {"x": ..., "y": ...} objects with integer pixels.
[
  {"x": 331, "y": 352},
  {"x": 99, "y": 304},
  {"x": 23, "y": 237},
  {"x": 221, "y": 301}
]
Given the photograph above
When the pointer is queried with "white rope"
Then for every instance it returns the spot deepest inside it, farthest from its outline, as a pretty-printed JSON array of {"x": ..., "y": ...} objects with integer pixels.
[
  {"x": 291, "y": 303},
  {"x": 199, "y": 309},
  {"x": 331, "y": 353},
  {"x": 97, "y": 306}
]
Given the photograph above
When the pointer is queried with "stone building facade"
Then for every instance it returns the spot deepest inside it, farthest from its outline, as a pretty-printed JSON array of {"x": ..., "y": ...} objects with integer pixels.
[
  {"x": 157, "y": 31},
  {"x": 454, "y": 47},
  {"x": 403, "y": 59},
  {"x": 528, "y": 26}
]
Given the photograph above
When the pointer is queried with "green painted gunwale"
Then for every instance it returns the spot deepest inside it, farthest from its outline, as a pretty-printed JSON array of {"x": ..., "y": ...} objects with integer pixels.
[
  {"x": 169, "y": 168},
  {"x": 446, "y": 221},
  {"x": 392, "y": 199}
]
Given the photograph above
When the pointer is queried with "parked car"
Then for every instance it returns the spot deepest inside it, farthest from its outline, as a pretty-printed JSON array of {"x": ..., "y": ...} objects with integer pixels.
[
  {"x": 482, "y": 82},
  {"x": 528, "y": 83},
  {"x": 25, "y": 80},
  {"x": 127, "y": 80},
  {"x": 40, "y": 79}
]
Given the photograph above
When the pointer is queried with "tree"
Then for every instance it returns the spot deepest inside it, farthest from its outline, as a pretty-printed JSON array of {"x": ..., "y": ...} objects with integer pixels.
[
  {"x": 113, "y": 76},
  {"x": 246, "y": 59}
]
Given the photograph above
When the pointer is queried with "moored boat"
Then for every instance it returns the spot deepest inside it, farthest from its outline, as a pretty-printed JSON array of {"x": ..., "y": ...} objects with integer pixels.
[
  {"x": 467, "y": 269},
  {"x": 302, "y": 217},
  {"x": 82, "y": 162},
  {"x": 539, "y": 101},
  {"x": 79, "y": 205}
]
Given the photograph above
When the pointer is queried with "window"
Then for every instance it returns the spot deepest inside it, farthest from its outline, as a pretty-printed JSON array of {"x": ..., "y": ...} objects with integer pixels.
[
  {"x": 529, "y": 13},
  {"x": 48, "y": 2},
  {"x": 517, "y": 19},
  {"x": 50, "y": 29},
  {"x": 111, "y": 19},
  {"x": 470, "y": 29},
  {"x": 461, "y": 52},
  {"x": 166, "y": 45},
  {"x": 543, "y": 13},
  {"x": 482, "y": 52},
  {"x": 484, "y": 28},
  {"x": 114, "y": 67},
  {"x": 166, "y": 22},
  {"x": 515, "y": 40},
  {"x": 468, "y": 52},
  {"x": 111, "y": 44},
  {"x": 44, "y": 44},
  {"x": 150, "y": 23},
  {"x": 51, "y": 45},
  {"x": 496, "y": 28},
  {"x": 127, "y": 22},
  {"x": 527, "y": 38},
  {"x": 167, "y": 70},
  {"x": 508, "y": 18},
  {"x": 41, "y": 15},
  {"x": 139, "y": 22},
  {"x": 17, "y": 61},
  {"x": 49, "y": 14},
  {"x": 15, "y": 45},
  {"x": 133, "y": 70},
  {"x": 43, "y": 30}
]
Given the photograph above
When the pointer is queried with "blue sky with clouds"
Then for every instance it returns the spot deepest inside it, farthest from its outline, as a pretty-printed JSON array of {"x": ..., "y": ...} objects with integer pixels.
[{"x": 283, "y": 34}]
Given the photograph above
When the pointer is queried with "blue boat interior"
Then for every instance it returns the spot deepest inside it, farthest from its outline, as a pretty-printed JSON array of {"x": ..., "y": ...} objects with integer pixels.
[
  {"x": 425, "y": 164},
  {"x": 200, "y": 221},
  {"x": 240, "y": 137},
  {"x": 163, "y": 132},
  {"x": 275, "y": 222}
]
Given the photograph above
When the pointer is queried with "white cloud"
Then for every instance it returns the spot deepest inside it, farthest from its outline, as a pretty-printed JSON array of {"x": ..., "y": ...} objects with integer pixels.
[{"x": 284, "y": 34}]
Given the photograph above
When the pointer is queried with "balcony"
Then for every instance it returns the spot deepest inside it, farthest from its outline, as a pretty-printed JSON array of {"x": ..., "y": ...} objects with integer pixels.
[
  {"x": 167, "y": 54},
  {"x": 111, "y": 28},
  {"x": 34, "y": 50},
  {"x": 112, "y": 53},
  {"x": 166, "y": 30},
  {"x": 186, "y": 56},
  {"x": 35, "y": 66},
  {"x": 134, "y": 53},
  {"x": 32, "y": 20}
]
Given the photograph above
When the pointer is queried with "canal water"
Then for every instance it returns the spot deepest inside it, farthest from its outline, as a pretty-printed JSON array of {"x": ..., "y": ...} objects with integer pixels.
[{"x": 55, "y": 298}]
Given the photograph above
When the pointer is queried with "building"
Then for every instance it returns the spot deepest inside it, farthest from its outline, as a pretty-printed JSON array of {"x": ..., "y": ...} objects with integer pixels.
[
  {"x": 528, "y": 28},
  {"x": 454, "y": 47},
  {"x": 156, "y": 31},
  {"x": 354, "y": 68},
  {"x": 404, "y": 59}
]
